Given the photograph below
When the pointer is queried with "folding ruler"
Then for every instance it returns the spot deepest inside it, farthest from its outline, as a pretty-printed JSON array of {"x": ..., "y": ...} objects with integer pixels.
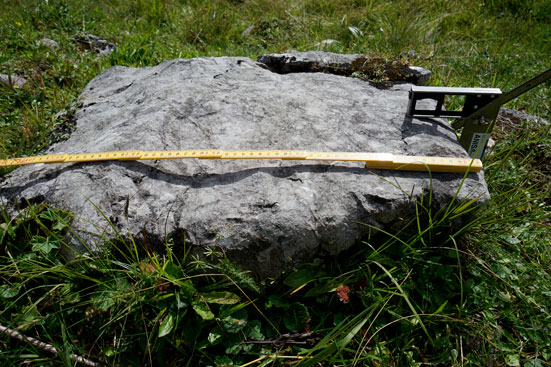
[
  {"x": 479, "y": 112},
  {"x": 371, "y": 160}
]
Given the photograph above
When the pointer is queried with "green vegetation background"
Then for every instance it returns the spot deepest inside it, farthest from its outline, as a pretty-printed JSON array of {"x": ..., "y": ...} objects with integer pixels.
[{"x": 433, "y": 294}]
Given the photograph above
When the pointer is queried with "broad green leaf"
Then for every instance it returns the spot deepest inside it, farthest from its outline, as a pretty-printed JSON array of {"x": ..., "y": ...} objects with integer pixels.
[
  {"x": 233, "y": 345},
  {"x": 241, "y": 314},
  {"x": 173, "y": 271},
  {"x": 253, "y": 330},
  {"x": 226, "y": 310},
  {"x": 48, "y": 214},
  {"x": 191, "y": 329},
  {"x": 6, "y": 228},
  {"x": 110, "y": 352},
  {"x": 247, "y": 347},
  {"x": 233, "y": 325},
  {"x": 9, "y": 291},
  {"x": 221, "y": 298},
  {"x": 512, "y": 360},
  {"x": 533, "y": 363},
  {"x": 277, "y": 301},
  {"x": 187, "y": 290},
  {"x": 512, "y": 240},
  {"x": 236, "y": 322},
  {"x": 59, "y": 218},
  {"x": 215, "y": 336},
  {"x": 202, "y": 310},
  {"x": 30, "y": 213},
  {"x": 58, "y": 225},
  {"x": 296, "y": 317},
  {"x": 299, "y": 278},
  {"x": 166, "y": 326},
  {"x": 104, "y": 300},
  {"x": 43, "y": 244},
  {"x": 223, "y": 361}
]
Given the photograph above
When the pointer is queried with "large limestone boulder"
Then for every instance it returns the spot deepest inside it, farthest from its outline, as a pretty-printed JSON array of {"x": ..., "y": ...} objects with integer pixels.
[{"x": 268, "y": 215}]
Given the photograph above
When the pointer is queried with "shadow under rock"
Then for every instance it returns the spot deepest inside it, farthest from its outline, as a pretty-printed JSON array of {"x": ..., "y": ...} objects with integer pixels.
[{"x": 218, "y": 179}]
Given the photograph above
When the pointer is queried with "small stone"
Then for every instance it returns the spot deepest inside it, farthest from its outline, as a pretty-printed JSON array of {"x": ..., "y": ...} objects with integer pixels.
[
  {"x": 422, "y": 75},
  {"x": 516, "y": 117},
  {"x": 50, "y": 43},
  {"x": 247, "y": 31},
  {"x": 12, "y": 81},
  {"x": 325, "y": 43},
  {"x": 99, "y": 45},
  {"x": 490, "y": 145}
]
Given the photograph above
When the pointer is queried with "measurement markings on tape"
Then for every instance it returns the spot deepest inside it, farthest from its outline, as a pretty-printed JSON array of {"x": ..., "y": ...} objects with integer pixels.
[
  {"x": 101, "y": 156},
  {"x": 372, "y": 160}
]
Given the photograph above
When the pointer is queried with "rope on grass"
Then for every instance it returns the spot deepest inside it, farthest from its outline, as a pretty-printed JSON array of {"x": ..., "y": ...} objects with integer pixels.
[{"x": 44, "y": 346}]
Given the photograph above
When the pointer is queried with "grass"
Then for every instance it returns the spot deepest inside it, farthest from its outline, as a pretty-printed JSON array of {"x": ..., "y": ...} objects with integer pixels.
[{"x": 432, "y": 294}]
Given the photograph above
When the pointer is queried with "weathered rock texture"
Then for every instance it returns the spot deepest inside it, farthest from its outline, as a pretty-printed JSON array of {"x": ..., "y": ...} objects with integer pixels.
[
  {"x": 96, "y": 44},
  {"x": 268, "y": 215},
  {"x": 515, "y": 117},
  {"x": 48, "y": 42}
]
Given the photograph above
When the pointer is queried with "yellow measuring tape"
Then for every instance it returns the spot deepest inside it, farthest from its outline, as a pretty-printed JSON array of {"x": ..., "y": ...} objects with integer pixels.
[{"x": 372, "y": 160}]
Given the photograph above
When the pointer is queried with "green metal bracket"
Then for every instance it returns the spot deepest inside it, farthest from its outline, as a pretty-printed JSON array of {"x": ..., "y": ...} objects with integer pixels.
[{"x": 480, "y": 110}]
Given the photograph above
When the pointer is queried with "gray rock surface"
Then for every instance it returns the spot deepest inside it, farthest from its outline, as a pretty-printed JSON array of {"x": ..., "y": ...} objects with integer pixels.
[
  {"x": 97, "y": 44},
  {"x": 12, "y": 80},
  {"x": 508, "y": 115},
  {"x": 339, "y": 64},
  {"x": 268, "y": 215},
  {"x": 50, "y": 43},
  {"x": 508, "y": 118}
]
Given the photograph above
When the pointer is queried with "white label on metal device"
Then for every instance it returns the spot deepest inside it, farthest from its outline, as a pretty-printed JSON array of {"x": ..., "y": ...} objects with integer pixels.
[{"x": 478, "y": 145}]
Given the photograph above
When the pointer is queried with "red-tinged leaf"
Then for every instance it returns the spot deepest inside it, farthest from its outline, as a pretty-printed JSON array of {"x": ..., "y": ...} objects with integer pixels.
[
  {"x": 342, "y": 293},
  {"x": 147, "y": 268}
]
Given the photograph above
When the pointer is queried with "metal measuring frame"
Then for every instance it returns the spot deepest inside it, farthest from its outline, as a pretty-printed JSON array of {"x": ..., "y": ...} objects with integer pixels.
[{"x": 479, "y": 112}]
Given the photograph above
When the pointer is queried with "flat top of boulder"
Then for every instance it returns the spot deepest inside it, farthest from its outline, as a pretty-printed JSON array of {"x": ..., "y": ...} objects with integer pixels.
[{"x": 269, "y": 215}]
